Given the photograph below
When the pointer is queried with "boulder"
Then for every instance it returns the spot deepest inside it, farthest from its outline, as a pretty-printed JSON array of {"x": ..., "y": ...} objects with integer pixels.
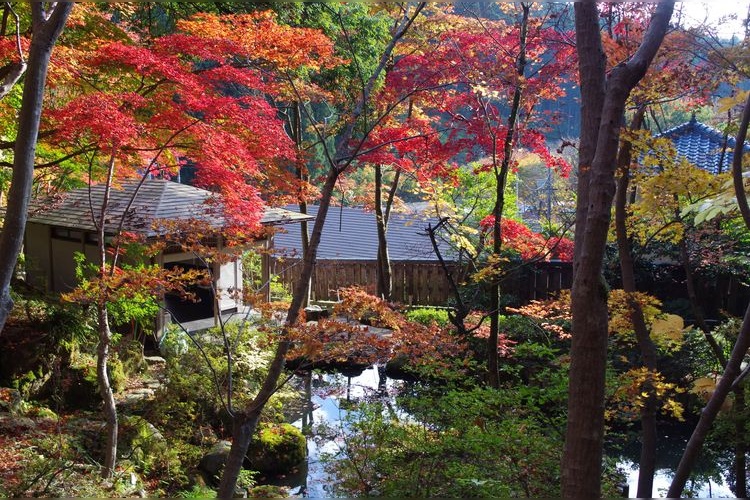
[
  {"x": 10, "y": 399},
  {"x": 276, "y": 449},
  {"x": 213, "y": 462}
]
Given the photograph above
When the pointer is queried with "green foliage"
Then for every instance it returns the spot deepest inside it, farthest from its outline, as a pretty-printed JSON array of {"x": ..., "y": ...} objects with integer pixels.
[
  {"x": 197, "y": 491},
  {"x": 24, "y": 383},
  {"x": 31, "y": 409},
  {"x": 737, "y": 261},
  {"x": 148, "y": 451},
  {"x": 427, "y": 316},
  {"x": 468, "y": 198},
  {"x": 86, "y": 363},
  {"x": 521, "y": 329},
  {"x": 140, "y": 308},
  {"x": 67, "y": 326},
  {"x": 252, "y": 263},
  {"x": 131, "y": 354},
  {"x": 246, "y": 479},
  {"x": 726, "y": 334},
  {"x": 191, "y": 398},
  {"x": 359, "y": 35},
  {"x": 56, "y": 465},
  {"x": 268, "y": 491},
  {"x": 455, "y": 444}
]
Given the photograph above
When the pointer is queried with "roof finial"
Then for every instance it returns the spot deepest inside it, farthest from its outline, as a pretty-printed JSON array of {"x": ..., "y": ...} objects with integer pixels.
[{"x": 693, "y": 120}]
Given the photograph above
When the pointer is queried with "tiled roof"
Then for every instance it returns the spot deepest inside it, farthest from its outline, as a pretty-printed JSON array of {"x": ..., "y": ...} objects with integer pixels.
[
  {"x": 156, "y": 199},
  {"x": 702, "y": 146},
  {"x": 350, "y": 233}
]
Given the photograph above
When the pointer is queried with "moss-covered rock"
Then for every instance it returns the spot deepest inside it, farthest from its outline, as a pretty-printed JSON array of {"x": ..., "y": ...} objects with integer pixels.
[
  {"x": 80, "y": 391},
  {"x": 276, "y": 449},
  {"x": 80, "y": 385},
  {"x": 268, "y": 491},
  {"x": 213, "y": 462}
]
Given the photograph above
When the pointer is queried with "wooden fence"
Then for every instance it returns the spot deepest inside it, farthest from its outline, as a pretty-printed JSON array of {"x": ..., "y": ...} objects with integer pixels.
[
  {"x": 424, "y": 283},
  {"x": 421, "y": 282}
]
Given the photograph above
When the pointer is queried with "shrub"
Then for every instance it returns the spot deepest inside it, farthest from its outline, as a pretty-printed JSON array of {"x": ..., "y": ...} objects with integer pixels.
[
  {"x": 427, "y": 316},
  {"x": 476, "y": 448},
  {"x": 146, "y": 448}
]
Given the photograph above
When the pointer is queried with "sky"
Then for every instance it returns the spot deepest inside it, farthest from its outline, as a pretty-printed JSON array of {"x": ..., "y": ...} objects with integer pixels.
[{"x": 696, "y": 11}]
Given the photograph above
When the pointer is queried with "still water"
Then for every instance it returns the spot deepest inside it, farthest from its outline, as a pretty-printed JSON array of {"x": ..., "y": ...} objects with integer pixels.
[
  {"x": 663, "y": 477},
  {"x": 328, "y": 397}
]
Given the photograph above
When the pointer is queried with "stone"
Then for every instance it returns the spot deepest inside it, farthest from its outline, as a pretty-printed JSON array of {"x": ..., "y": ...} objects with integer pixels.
[
  {"x": 10, "y": 399},
  {"x": 276, "y": 449},
  {"x": 213, "y": 462},
  {"x": 8, "y": 422},
  {"x": 155, "y": 360}
]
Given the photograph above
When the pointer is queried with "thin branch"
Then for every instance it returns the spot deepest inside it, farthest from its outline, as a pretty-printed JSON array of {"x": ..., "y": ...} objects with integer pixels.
[
  {"x": 18, "y": 32},
  {"x": 739, "y": 149}
]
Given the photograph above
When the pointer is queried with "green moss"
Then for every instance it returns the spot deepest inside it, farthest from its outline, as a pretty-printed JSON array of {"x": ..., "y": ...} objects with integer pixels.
[
  {"x": 86, "y": 364},
  {"x": 277, "y": 449},
  {"x": 268, "y": 491}
]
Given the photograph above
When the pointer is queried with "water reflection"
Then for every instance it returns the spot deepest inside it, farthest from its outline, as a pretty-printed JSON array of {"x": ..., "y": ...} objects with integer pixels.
[
  {"x": 700, "y": 489},
  {"x": 709, "y": 478},
  {"x": 328, "y": 399}
]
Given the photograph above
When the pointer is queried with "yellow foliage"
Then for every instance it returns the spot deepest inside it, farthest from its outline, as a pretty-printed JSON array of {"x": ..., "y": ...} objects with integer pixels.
[
  {"x": 667, "y": 330},
  {"x": 703, "y": 386},
  {"x": 666, "y": 185},
  {"x": 463, "y": 243},
  {"x": 736, "y": 99},
  {"x": 492, "y": 271},
  {"x": 620, "y": 312},
  {"x": 634, "y": 388}
]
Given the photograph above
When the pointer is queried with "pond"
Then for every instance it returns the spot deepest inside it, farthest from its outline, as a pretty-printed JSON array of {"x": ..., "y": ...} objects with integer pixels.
[
  {"x": 707, "y": 481},
  {"x": 708, "y": 488},
  {"x": 329, "y": 396}
]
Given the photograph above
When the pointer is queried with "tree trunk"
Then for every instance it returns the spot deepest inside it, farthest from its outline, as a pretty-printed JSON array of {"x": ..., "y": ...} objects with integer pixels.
[
  {"x": 647, "y": 462},
  {"x": 383, "y": 260},
  {"x": 733, "y": 365},
  {"x": 493, "y": 377},
  {"x": 711, "y": 410},
  {"x": 105, "y": 390},
  {"x": 339, "y": 161},
  {"x": 591, "y": 69},
  {"x": 740, "y": 405},
  {"x": 501, "y": 180},
  {"x": 105, "y": 335},
  {"x": 739, "y": 414},
  {"x": 46, "y": 30},
  {"x": 10, "y": 74},
  {"x": 583, "y": 438},
  {"x": 582, "y": 456},
  {"x": 244, "y": 423},
  {"x": 296, "y": 132}
]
